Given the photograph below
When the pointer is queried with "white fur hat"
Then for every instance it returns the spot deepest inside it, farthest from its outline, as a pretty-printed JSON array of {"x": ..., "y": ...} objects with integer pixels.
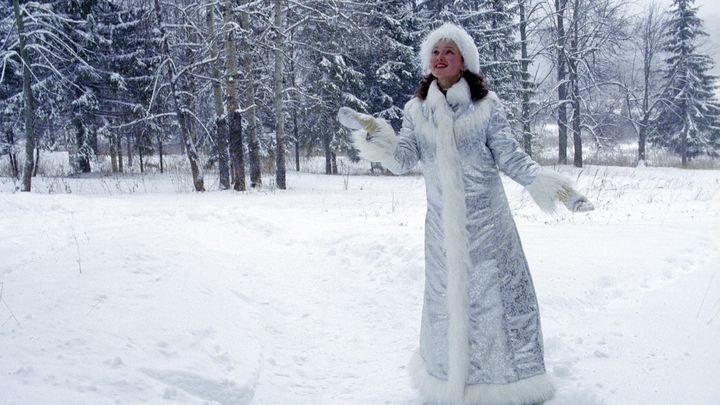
[{"x": 462, "y": 39}]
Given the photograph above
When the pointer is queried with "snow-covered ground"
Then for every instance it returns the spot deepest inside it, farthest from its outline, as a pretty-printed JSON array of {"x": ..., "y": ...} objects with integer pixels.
[{"x": 132, "y": 290}]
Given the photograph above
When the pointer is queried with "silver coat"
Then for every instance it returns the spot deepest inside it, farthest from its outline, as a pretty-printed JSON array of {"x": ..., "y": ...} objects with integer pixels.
[{"x": 500, "y": 310}]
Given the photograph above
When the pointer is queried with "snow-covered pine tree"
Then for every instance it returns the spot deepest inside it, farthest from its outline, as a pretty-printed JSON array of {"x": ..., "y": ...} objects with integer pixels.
[
  {"x": 527, "y": 84},
  {"x": 493, "y": 26},
  {"x": 327, "y": 76},
  {"x": 689, "y": 118},
  {"x": 388, "y": 59},
  {"x": 11, "y": 92},
  {"x": 88, "y": 85},
  {"x": 49, "y": 52},
  {"x": 127, "y": 65}
]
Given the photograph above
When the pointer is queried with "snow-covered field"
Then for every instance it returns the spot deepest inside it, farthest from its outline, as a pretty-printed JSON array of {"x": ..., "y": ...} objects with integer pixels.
[{"x": 132, "y": 290}]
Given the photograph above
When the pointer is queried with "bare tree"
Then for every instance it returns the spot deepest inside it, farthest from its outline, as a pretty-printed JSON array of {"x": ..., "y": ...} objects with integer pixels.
[
  {"x": 651, "y": 34},
  {"x": 249, "y": 86},
  {"x": 231, "y": 84},
  {"x": 180, "y": 111},
  {"x": 278, "y": 90},
  {"x": 29, "y": 100},
  {"x": 642, "y": 95},
  {"x": 221, "y": 124},
  {"x": 526, "y": 8},
  {"x": 561, "y": 43}
]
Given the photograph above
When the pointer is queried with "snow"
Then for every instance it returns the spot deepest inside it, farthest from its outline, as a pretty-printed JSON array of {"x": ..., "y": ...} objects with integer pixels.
[{"x": 152, "y": 294}]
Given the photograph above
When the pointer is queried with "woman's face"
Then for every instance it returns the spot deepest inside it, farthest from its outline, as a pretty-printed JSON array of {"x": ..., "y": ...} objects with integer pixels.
[{"x": 446, "y": 62}]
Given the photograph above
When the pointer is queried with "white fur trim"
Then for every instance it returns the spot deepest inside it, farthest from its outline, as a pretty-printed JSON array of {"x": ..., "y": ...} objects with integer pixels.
[
  {"x": 378, "y": 146},
  {"x": 457, "y": 253},
  {"x": 536, "y": 389},
  {"x": 546, "y": 188},
  {"x": 462, "y": 39}
]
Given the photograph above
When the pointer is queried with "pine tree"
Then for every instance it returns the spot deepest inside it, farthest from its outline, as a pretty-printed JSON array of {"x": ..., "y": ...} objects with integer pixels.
[
  {"x": 689, "y": 119},
  {"x": 327, "y": 76},
  {"x": 492, "y": 25},
  {"x": 390, "y": 79},
  {"x": 131, "y": 57}
]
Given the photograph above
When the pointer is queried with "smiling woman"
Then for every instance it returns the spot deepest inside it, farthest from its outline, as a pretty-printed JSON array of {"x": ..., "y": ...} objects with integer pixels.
[{"x": 480, "y": 338}]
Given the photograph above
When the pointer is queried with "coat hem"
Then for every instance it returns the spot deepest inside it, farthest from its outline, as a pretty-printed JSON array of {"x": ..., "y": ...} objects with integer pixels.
[{"x": 532, "y": 390}]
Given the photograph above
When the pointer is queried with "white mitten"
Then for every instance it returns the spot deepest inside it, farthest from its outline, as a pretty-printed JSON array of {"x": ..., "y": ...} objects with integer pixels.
[
  {"x": 574, "y": 201},
  {"x": 352, "y": 119},
  {"x": 374, "y": 138},
  {"x": 550, "y": 187}
]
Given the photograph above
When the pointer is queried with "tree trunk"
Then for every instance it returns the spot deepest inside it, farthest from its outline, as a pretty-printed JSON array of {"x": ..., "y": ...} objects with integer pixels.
[
  {"x": 328, "y": 154},
  {"x": 93, "y": 144},
  {"x": 642, "y": 139},
  {"x": 190, "y": 148},
  {"x": 128, "y": 144},
  {"x": 113, "y": 154},
  {"x": 297, "y": 150},
  {"x": 526, "y": 85},
  {"x": 683, "y": 143},
  {"x": 649, "y": 44},
  {"x": 11, "y": 153},
  {"x": 29, "y": 101},
  {"x": 81, "y": 158},
  {"x": 118, "y": 141},
  {"x": 140, "y": 158},
  {"x": 575, "y": 87},
  {"x": 278, "y": 90},
  {"x": 237, "y": 153},
  {"x": 37, "y": 162},
  {"x": 221, "y": 125},
  {"x": 160, "y": 153},
  {"x": 294, "y": 110},
  {"x": 253, "y": 146},
  {"x": 237, "y": 157},
  {"x": 562, "y": 86}
]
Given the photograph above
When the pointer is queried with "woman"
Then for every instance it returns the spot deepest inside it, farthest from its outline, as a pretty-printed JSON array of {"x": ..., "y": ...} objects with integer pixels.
[{"x": 480, "y": 339}]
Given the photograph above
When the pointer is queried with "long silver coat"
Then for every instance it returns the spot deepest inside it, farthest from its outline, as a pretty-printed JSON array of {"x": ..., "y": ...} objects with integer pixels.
[{"x": 493, "y": 309}]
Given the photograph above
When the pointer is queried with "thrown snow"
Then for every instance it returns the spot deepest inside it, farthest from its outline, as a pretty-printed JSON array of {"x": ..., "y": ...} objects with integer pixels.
[{"x": 128, "y": 291}]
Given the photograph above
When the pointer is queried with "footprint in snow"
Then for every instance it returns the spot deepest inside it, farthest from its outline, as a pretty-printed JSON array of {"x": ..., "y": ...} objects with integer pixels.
[{"x": 224, "y": 392}]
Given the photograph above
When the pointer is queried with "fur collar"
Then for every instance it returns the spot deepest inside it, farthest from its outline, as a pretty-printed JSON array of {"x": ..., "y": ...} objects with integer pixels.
[
  {"x": 467, "y": 117},
  {"x": 457, "y": 97}
]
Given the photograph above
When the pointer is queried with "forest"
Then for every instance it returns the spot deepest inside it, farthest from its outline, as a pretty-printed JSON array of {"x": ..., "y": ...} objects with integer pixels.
[{"x": 246, "y": 87}]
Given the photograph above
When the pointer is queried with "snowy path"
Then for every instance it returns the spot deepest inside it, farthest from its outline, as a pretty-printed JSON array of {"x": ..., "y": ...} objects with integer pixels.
[{"x": 312, "y": 296}]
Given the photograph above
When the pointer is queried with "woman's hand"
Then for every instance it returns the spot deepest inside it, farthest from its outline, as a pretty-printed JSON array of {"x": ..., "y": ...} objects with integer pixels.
[
  {"x": 550, "y": 187},
  {"x": 373, "y": 138},
  {"x": 352, "y": 119},
  {"x": 573, "y": 200}
]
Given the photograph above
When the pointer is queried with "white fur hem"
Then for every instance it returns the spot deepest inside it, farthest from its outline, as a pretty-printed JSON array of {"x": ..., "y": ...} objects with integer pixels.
[
  {"x": 533, "y": 390},
  {"x": 379, "y": 146}
]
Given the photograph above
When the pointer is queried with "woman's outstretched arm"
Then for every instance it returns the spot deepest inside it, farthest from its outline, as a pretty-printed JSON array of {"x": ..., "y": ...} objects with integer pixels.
[{"x": 376, "y": 140}]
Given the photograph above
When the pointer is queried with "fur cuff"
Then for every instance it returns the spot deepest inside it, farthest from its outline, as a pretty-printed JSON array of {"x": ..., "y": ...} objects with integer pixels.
[
  {"x": 550, "y": 187},
  {"x": 377, "y": 146},
  {"x": 536, "y": 389}
]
